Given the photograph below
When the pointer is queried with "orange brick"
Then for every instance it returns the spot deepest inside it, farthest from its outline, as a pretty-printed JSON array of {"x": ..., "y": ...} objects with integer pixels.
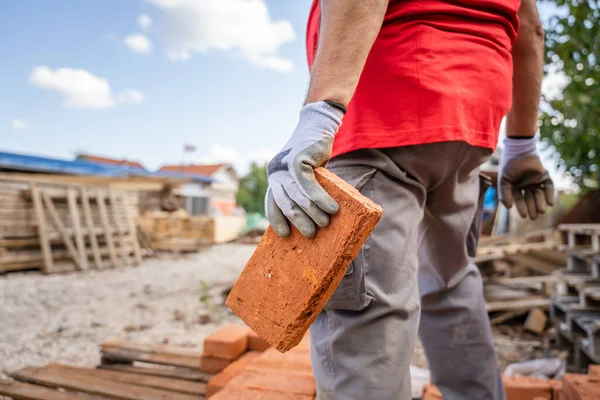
[
  {"x": 287, "y": 281},
  {"x": 526, "y": 388},
  {"x": 594, "y": 370},
  {"x": 213, "y": 365},
  {"x": 231, "y": 393},
  {"x": 430, "y": 392},
  {"x": 219, "y": 381},
  {"x": 255, "y": 342},
  {"x": 581, "y": 387},
  {"x": 275, "y": 381},
  {"x": 229, "y": 342}
]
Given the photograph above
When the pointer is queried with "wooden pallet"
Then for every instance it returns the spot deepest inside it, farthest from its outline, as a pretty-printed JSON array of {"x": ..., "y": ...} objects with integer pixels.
[
  {"x": 129, "y": 371},
  {"x": 589, "y": 234},
  {"x": 57, "y": 228}
]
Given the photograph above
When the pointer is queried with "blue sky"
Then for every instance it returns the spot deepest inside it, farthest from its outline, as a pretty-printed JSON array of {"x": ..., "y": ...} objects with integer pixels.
[
  {"x": 99, "y": 76},
  {"x": 234, "y": 98}
]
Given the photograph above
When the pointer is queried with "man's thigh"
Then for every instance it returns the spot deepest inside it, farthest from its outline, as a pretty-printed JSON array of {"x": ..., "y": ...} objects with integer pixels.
[{"x": 362, "y": 342}]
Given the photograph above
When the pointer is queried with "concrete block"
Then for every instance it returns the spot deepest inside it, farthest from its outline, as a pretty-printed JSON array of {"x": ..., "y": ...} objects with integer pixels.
[{"x": 287, "y": 281}]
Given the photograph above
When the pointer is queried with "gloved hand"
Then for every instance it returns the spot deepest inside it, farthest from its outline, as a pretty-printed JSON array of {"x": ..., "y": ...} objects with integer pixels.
[
  {"x": 523, "y": 180},
  {"x": 294, "y": 192}
]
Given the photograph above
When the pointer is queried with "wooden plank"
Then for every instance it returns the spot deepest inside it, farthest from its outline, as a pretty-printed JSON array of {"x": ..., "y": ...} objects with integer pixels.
[
  {"x": 74, "y": 381},
  {"x": 26, "y": 391},
  {"x": 526, "y": 280},
  {"x": 61, "y": 228},
  {"x": 87, "y": 212},
  {"x": 119, "y": 226},
  {"x": 129, "y": 356},
  {"x": 164, "y": 371},
  {"x": 151, "y": 348},
  {"x": 517, "y": 304},
  {"x": 170, "y": 384},
  {"x": 76, "y": 222},
  {"x": 132, "y": 228},
  {"x": 534, "y": 263},
  {"x": 41, "y": 220},
  {"x": 107, "y": 229}
]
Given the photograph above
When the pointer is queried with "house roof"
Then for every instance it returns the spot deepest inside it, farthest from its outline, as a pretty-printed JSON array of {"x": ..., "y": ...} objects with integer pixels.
[
  {"x": 28, "y": 163},
  {"x": 111, "y": 161},
  {"x": 198, "y": 169}
]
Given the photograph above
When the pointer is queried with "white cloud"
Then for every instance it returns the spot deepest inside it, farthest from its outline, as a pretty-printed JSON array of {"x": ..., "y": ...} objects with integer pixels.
[
  {"x": 81, "y": 89},
  {"x": 241, "y": 26},
  {"x": 138, "y": 43},
  {"x": 130, "y": 96},
  {"x": 19, "y": 124},
  {"x": 144, "y": 21},
  {"x": 219, "y": 153}
]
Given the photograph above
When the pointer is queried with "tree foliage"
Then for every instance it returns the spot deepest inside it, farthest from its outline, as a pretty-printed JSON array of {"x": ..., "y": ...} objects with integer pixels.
[
  {"x": 571, "y": 123},
  {"x": 253, "y": 186}
]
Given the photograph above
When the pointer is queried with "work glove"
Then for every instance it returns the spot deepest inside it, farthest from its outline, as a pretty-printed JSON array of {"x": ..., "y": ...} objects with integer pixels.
[
  {"x": 294, "y": 193},
  {"x": 523, "y": 180}
]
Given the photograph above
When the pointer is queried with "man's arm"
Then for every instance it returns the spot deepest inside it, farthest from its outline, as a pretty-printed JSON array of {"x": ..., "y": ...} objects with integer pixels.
[
  {"x": 522, "y": 179},
  {"x": 528, "y": 64},
  {"x": 348, "y": 30}
]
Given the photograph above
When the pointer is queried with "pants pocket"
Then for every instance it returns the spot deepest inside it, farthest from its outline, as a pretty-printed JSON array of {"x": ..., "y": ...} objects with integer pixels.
[
  {"x": 475, "y": 230},
  {"x": 352, "y": 293}
]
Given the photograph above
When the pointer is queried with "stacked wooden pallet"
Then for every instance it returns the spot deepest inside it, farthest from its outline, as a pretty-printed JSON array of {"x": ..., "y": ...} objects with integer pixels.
[
  {"x": 575, "y": 309},
  {"x": 518, "y": 272},
  {"x": 61, "y": 227},
  {"x": 137, "y": 371},
  {"x": 177, "y": 231}
]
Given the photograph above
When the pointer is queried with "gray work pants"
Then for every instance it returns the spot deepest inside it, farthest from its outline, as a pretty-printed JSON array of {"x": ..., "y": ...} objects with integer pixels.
[{"x": 412, "y": 275}]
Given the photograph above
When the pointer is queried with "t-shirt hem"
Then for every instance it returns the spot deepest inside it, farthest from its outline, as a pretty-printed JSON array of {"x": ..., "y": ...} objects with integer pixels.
[{"x": 348, "y": 142}]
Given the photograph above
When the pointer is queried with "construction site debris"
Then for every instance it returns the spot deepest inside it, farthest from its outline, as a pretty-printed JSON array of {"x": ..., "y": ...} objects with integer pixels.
[{"x": 287, "y": 281}]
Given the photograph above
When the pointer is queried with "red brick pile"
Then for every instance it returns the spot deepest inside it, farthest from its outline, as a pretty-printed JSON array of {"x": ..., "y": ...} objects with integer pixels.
[
  {"x": 249, "y": 369},
  {"x": 571, "y": 387}
]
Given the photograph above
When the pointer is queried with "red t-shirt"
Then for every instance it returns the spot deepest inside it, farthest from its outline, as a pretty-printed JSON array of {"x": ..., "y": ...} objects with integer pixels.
[{"x": 438, "y": 71}]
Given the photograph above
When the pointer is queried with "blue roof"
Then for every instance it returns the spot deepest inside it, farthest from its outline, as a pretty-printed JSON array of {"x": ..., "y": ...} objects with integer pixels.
[{"x": 29, "y": 163}]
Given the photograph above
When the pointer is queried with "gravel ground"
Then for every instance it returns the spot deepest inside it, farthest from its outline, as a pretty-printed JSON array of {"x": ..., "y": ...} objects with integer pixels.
[{"x": 63, "y": 318}]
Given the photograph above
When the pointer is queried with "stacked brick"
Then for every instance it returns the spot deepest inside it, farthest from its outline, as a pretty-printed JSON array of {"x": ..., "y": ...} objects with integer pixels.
[
  {"x": 571, "y": 387},
  {"x": 247, "y": 368},
  {"x": 252, "y": 370}
]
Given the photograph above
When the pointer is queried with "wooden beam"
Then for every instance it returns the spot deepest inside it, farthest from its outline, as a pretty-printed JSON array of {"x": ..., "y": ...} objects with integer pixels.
[
  {"x": 79, "y": 382},
  {"x": 120, "y": 230},
  {"x": 107, "y": 229},
  {"x": 26, "y": 391},
  {"x": 132, "y": 228},
  {"x": 87, "y": 212},
  {"x": 41, "y": 223},
  {"x": 76, "y": 222},
  {"x": 517, "y": 304},
  {"x": 188, "y": 374},
  {"x": 61, "y": 228},
  {"x": 170, "y": 384}
]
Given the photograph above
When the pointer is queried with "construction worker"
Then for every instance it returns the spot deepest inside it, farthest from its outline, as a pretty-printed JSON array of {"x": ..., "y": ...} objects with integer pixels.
[{"x": 421, "y": 87}]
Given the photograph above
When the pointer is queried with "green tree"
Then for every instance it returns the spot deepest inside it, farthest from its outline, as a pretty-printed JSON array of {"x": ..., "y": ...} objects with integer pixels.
[
  {"x": 570, "y": 124},
  {"x": 253, "y": 186}
]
